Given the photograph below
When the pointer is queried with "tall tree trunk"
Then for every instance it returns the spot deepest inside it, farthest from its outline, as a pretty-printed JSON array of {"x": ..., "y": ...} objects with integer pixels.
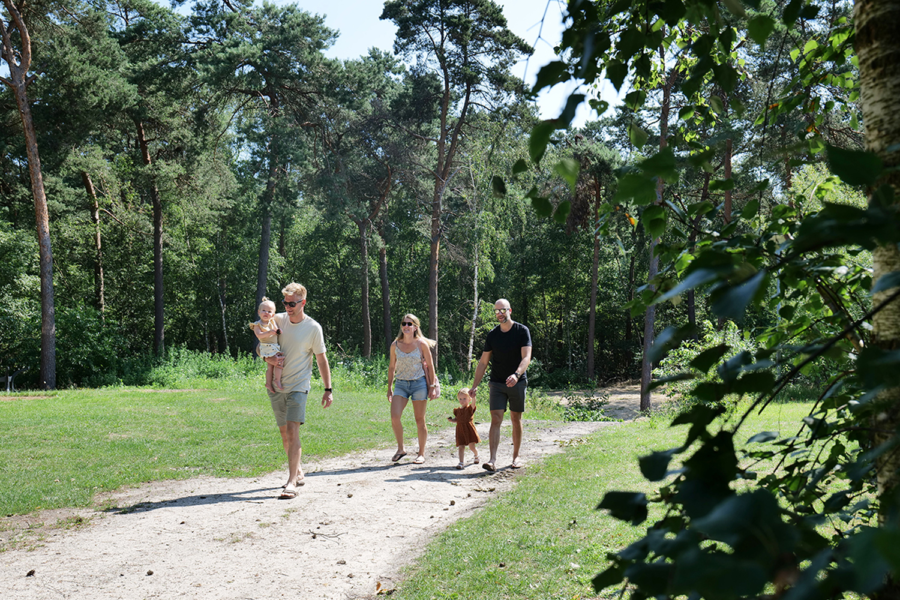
[
  {"x": 19, "y": 63},
  {"x": 726, "y": 212},
  {"x": 158, "y": 291},
  {"x": 595, "y": 276},
  {"x": 878, "y": 50},
  {"x": 433, "y": 258},
  {"x": 628, "y": 320},
  {"x": 653, "y": 269},
  {"x": 787, "y": 165},
  {"x": 265, "y": 236},
  {"x": 363, "y": 226},
  {"x": 385, "y": 295},
  {"x": 222, "y": 284},
  {"x": 475, "y": 305},
  {"x": 99, "y": 292}
]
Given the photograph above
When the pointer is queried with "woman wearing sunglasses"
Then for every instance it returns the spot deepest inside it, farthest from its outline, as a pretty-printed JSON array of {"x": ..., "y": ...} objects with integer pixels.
[{"x": 411, "y": 376}]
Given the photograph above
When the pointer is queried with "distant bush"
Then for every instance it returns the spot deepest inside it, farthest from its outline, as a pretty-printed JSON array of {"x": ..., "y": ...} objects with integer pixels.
[{"x": 586, "y": 408}]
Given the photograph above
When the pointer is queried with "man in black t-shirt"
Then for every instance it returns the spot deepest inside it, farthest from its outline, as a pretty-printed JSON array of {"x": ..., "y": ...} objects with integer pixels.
[{"x": 508, "y": 349}]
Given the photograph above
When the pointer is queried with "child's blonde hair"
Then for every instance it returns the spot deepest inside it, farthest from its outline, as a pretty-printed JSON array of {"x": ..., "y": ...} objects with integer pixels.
[
  {"x": 462, "y": 391},
  {"x": 264, "y": 300}
]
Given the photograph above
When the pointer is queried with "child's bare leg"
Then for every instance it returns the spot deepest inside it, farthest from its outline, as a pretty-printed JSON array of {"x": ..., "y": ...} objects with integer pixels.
[
  {"x": 270, "y": 370},
  {"x": 276, "y": 378},
  {"x": 462, "y": 454},
  {"x": 474, "y": 451}
]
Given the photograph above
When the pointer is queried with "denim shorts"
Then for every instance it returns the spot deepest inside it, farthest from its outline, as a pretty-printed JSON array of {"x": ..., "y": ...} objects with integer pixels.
[{"x": 414, "y": 389}]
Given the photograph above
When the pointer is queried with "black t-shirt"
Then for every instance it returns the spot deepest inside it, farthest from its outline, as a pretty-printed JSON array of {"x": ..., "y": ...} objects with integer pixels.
[{"x": 506, "y": 350}]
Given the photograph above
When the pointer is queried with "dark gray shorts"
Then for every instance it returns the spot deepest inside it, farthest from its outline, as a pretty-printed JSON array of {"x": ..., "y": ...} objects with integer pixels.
[{"x": 500, "y": 396}]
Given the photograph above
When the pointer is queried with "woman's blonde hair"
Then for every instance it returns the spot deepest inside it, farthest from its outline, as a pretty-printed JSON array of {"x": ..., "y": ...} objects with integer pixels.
[{"x": 418, "y": 332}]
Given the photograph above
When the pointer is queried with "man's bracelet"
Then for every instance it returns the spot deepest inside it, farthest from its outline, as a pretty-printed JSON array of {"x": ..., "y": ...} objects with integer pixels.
[{"x": 328, "y": 390}]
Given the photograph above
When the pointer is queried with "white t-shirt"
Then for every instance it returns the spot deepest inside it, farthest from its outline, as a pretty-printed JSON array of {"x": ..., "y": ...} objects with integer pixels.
[{"x": 300, "y": 342}]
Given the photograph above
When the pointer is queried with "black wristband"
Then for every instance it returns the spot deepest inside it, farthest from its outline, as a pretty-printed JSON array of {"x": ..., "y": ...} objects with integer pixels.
[{"x": 328, "y": 389}]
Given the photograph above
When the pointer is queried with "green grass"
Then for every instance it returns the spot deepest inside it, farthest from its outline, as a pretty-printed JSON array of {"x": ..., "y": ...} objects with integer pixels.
[
  {"x": 546, "y": 532},
  {"x": 59, "y": 450},
  {"x": 62, "y": 448}
]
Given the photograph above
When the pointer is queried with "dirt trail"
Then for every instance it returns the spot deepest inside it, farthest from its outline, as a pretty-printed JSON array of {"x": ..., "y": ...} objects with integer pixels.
[{"x": 356, "y": 523}]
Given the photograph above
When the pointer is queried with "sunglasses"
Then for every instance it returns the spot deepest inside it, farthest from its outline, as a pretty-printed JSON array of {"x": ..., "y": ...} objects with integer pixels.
[
  {"x": 291, "y": 304},
  {"x": 501, "y": 311},
  {"x": 407, "y": 324}
]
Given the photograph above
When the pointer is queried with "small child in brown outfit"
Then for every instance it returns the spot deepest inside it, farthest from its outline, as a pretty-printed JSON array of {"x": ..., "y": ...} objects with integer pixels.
[{"x": 466, "y": 434}]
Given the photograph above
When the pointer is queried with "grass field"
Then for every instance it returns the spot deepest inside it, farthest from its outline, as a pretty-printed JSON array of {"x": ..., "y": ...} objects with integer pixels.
[
  {"x": 545, "y": 539},
  {"x": 62, "y": 448}
]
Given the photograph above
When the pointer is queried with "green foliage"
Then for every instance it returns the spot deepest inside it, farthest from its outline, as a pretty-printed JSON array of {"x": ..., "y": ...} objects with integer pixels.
[
  {"x": 586, "y": 408},
  {"x": 793, "y": 272},
  {"x": 693, "y": 359}
]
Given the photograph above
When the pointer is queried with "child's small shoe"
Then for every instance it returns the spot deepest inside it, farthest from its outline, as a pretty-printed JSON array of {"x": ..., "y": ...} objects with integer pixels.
[
  {"x": 476, "y": 460},
  {"x": 460, "y": 466}
]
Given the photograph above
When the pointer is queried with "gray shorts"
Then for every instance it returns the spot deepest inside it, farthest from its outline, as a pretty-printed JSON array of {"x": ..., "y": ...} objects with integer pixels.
[
  {"x": 288, "y": 406},
  {"x": 500, "y": 396}
]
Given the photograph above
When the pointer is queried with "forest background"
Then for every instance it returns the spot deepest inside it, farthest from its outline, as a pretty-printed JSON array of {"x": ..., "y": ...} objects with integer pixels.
[
  {"x": 194, "y": 161},
  {"x": 733, "y": 223},
  {"x": 197, "y": 160}
]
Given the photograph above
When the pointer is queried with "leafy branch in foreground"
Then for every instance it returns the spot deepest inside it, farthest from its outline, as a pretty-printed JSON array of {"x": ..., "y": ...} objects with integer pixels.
[{"x": 823, "y": 520}]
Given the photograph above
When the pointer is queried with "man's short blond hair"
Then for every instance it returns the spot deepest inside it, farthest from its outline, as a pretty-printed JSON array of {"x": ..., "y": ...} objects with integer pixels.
[{"x": 295, "y": 289}]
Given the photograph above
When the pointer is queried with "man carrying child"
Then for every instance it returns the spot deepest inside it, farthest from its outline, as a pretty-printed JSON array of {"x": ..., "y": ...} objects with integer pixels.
[{"x": 300, "y": 340}]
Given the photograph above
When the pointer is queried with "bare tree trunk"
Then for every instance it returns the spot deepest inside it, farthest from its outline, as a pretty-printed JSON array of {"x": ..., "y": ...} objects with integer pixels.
[
  {"x": 385, "y": 295},
  {"x": 158, "y": 291},
  {"x": 363, "y": 226},
  {"x": 433, "y": 258},
  {"x": 877, "y": 47},
  {"x": 265, "y": 237},
  {"x": 595, "y": 275},
  {"x": 475, "y": 305},
  {"x": 282, "y": 235},
  {"x": 650, "y": 315},
  {"x": 222, "y": 297},
  {"x": 787, "y": 165},
  {"x": 628, "y": 320},
  {"x": 726, "y": 212},
  {"x": 99, "y": 292},
  {"x": 19, "y": 63}
]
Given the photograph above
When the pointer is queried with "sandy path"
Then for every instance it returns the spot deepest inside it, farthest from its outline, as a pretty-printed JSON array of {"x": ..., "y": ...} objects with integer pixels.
[{"x": 356, "y": 523}]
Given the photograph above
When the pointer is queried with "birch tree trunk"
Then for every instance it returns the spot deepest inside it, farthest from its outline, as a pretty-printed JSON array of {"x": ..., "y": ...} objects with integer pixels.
[
  {"x": 878, "y": 50},
  {"x": 19, "y": 61}
]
